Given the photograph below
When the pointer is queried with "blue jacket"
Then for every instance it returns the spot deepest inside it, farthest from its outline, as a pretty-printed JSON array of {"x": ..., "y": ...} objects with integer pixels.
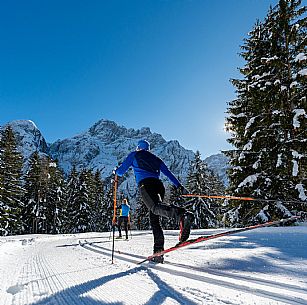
[
  {"x": 145, "y": 165},
  {"x": 124, "y": 209}
]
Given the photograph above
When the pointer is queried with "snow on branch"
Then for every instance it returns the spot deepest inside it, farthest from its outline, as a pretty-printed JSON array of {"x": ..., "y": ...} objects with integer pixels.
[
  {"x": 297, "y": 114},
  {"x": 250, "y": 180},
  {"x": 300, "y": 57},
  {"x": 303, "y": 72},
  {"x": 302, "y": 193}
]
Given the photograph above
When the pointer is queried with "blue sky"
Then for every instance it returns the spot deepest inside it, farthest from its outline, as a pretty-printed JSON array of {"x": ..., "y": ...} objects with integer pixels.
[{"x": 163, "y": 64}]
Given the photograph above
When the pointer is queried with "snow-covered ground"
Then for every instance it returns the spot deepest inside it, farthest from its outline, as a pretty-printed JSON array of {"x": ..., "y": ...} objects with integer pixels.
[{"x": 263, "y": 266}]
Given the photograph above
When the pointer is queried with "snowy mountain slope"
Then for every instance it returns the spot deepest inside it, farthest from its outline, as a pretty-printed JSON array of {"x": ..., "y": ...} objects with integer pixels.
[
  {"x": 219, "y": 164},
  {"x": 264, "y": 266},
  {"x": 28, "y": 136},
  {"x": 106, "y": 144}
]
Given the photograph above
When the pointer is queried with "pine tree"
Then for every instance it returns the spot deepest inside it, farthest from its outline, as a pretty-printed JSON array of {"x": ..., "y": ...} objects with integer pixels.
[
  {"x": 98, "y": 204},
  {"x": 55, "y": 199},
  {"x": 71, "y": 212},
  {"x": 11, "y": 190},
  {"x": 82, "y": 203},
  {"x": 267, "y": 121},
  {"x": 34, "y": 211},
  {"x": 201, "y": 181}
]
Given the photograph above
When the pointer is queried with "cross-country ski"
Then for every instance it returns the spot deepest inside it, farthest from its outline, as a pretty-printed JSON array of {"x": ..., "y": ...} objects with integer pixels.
[{"x": 218, "y": 235}]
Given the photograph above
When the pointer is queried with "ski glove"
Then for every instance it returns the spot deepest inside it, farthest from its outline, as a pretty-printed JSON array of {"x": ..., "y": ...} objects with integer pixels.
[
  {"x": 182, "y": 190},
  {"x": 114, "y": 170}
]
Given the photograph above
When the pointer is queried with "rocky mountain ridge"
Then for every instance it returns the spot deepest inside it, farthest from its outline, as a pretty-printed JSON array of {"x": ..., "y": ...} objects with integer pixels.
[{"x": 105, "y": 145}]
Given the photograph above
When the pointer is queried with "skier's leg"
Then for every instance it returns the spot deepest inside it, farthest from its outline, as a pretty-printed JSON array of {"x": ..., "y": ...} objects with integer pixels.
[
  {"x": 126, "y": 226},
  {"x": 119, "y": 226},
  {"x": 157, "y": 232},
  {"x": 152, "y": 192}
]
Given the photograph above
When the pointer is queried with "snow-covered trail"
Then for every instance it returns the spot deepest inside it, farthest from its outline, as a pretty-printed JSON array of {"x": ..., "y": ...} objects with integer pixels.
[{"x": 264, "y": 266}]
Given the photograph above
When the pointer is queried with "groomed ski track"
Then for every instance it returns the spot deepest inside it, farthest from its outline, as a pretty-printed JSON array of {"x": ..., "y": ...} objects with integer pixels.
[{"x": 265, "y": 266}]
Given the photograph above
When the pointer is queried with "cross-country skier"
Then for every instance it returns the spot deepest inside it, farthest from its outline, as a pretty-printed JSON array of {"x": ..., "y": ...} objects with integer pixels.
[
  {"x": 124, "y": 209},
  {"x": 147, "y": 168}
]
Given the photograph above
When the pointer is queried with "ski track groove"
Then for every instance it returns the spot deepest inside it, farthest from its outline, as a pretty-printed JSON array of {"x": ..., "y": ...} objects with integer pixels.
[
  {"x": 52, "y": 280},
  {"x": 75, "y": 289},
  {"x": 57, "y": 279},
  {"x": 244, "y": 288},
  {"x": 293, "y": 288}
]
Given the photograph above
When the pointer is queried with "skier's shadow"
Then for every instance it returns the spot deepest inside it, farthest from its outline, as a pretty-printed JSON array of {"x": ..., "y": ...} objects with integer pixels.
[{"x": 73, "y": 295}]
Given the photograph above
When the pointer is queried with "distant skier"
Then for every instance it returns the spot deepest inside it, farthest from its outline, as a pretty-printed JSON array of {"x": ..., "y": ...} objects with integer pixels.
[
  {"x": 147, "y": 168},
  {"x": 124, "y": 209}
]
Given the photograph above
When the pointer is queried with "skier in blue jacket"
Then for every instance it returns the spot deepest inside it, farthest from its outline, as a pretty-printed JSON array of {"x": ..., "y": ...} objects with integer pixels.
[
  {"x": 147, "y": 168},
  {"x": 124, "y": 209}
]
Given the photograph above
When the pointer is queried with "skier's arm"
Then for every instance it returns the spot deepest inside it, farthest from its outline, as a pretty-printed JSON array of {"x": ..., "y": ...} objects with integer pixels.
[
  {"x": 125, "y": 165},
  {"x": 169, "y": 174}
]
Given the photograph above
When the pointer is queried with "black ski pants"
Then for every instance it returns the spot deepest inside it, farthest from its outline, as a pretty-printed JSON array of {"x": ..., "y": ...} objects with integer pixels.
[
  {"x": 123, "y": 220},
  {"x": 152, "y": 191}
]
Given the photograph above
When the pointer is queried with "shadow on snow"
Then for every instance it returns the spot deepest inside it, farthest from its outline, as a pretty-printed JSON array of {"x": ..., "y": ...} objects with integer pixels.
[{"x": 73, "y": 295}]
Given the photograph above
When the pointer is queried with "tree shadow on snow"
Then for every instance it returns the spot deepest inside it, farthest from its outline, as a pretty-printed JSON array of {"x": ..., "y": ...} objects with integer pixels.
[
  {"x": 73, "y": 295},
  {"x": 281, "y": 251}
]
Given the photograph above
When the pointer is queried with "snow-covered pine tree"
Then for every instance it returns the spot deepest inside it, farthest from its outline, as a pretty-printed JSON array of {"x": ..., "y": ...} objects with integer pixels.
[
  {"x": 55, "y": 199},
  {"x": 11, "y": 190},
  {"x": 98, "y": 203},
  {"x": 267, "y": 117},
  {"x": 33, "y": 215},
  {"x": 83, "y": 203},
  {"x": 71, "y": 212},
  {"x": 201, "y": 181}
]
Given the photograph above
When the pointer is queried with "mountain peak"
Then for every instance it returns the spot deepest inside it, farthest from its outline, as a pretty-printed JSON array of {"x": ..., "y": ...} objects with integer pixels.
[
  {"x": 108, "y": 131},
  {"x": 23, "y": 124},
  {"x": 29, "y": 137}
]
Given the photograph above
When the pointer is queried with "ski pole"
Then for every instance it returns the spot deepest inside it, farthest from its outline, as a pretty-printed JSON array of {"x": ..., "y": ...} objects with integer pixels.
[
  {"x": 240, "y": 198},
  {"x": 218, "y": 197},
  {"x": 114, "y": 214}
]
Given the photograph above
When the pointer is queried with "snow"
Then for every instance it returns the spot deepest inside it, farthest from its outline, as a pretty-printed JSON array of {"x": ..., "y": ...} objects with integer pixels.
[
  {"x": 297, "y": 155},
  {"x": 256, "y": 164},
  {"x": 248, "y": 125},
  {"x": 301, "y": 190},
  {"x": 248, "y": 146},
  {"x": 249, "y": 180},
  {"x": 279, "y": 160},
  {"x": 263, "y": 266},
  {"x": 295, "y": 168},
  {"x": 303, "y": 72},
  {"x": 262, "y": 215},
  {"x": 300, "y": 57},
  {"x": 297, "y": 113},
  {"x": 268, "y": 59}
]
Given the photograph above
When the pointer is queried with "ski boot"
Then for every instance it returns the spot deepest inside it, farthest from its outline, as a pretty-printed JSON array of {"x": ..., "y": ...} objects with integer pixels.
[{"x": 158, "y": 259}]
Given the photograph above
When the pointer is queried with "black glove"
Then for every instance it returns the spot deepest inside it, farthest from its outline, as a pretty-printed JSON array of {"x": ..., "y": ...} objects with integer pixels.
[{"x": 182, "y": 190}]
